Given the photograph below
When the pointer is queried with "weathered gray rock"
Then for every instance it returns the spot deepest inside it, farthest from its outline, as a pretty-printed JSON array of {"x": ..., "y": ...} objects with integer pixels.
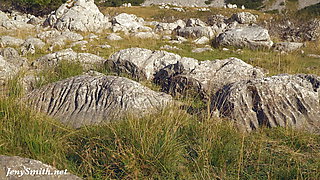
[
  {"x": 202, "y": 40},
  {"x": 7, "y": 70},
  {"x": 30, "y": 45},
  {"x": 244, "y": 18},
  {"x": 203, "y": 78},
  {"x": 196, "y": 32},
  {"x": 89, "y": 100},
  {"x": 10, "y": 41},
  {"x": 314, "y": 56},
  {"x": 79, "y": 43},
  {"x": 12, "y": 56},
  {"x": 114, "y": 37},
  {"x": 192, "y": 22},
  {"x": 168, "y": 47},
  {"x": 201, "y": 50},
  {"x": 48, "y": 34},
  {"x": 141, "y": 63},
  {"x": 12, "y": 167},
  {"x": 287, "y": 46},
  {"x": 284, "y": 100},
  {"x": 168, "y": 28},
  {"x": 87, "y": 60},
  {"x": 3, "y": 17},
  {"x": 305, "y": 31},
  {"x": 178, "y": 40},
  {"x": 146, "y": 35},
  {"x": 253, "y": 37},
  {"x": 80, "y": 15},
  {"x": 128, "y": 23},
  {"x": 187, "y": 3},
  {"x": 38, "y": 43},
  {"x": 14, "y": 24}
]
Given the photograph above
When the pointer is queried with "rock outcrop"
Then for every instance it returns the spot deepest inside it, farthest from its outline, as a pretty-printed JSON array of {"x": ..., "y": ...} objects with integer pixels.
[
  {"x": 87, "y": 100},
  {"x": 14, "y": 167},
  {"x": 128, "y": 23},
  {"x": 7, "y": 70},
  {"x": 87, "y": 60},
  {"x": 141, "y": 63},
  {"x": 195, "y": 32},
  {"x": 187, "y": 3},
  {"x": 284, "y": 100},
  {"x": 253, "y": 37},
  {"x": 202, "y": 78},
  {"x": 10, "y": 64},
  {"x": 10, "y": 41},
  {"x": 244, "y": 18},
  {"x": 79, "y": 15},
  {"x": 287, "y": 46}
]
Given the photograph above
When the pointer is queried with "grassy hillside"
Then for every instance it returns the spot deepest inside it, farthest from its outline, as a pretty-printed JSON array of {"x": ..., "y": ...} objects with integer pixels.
[{"x": 171, "y": 144}]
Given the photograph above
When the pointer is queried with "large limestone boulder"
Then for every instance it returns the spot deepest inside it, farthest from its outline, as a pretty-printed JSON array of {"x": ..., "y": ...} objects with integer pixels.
[
  {"x": 86, "y": 100},
  {"x": 244, "y": 18},
  {"x": 284, "y": 100},
  {"x": 141, "y": 63},
  {"x": 128, "y": 23},
  {"x": 253, "y": 37},
  {"x": 87, "y": 60},
  {"x": 78, "y": 15},
  {"x": 14, "y": 167},
  {"x": 196, "y": 32},
  {"x": 203, "y": 78}
]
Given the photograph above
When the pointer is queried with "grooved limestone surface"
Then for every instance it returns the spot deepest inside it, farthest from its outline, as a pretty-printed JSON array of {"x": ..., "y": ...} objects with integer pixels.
[
  {"x": 86, "y": 100},
  {"x": 284, "y": 100}
]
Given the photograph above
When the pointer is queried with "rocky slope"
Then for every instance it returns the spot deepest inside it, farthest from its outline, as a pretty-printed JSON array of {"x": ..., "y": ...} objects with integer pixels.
[
  {"x": 85, "y": 100},
  {"x": 194, "y": 3}
]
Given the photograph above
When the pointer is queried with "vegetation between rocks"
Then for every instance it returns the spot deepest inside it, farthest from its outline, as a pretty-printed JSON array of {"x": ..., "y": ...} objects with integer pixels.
[{"x": 169, "y": 145}]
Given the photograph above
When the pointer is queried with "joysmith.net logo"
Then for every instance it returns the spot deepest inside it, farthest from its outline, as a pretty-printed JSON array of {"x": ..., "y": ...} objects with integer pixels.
[{"x": 34, "y": 172}]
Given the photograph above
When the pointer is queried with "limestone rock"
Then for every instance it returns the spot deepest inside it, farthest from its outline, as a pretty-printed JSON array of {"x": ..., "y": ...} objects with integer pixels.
[
  {"x": 168, "y": 28},
  {"x": 284, "y": 100},
  {"x": 141, "y": 63},
  {"x": 204, "y": 78},
  {"x": 10, "y": 41},
  {"x": 195, "y": 22},
  {"x": 244, "y": 18},
  {"x": 196, "y": 32},
  {"x": 57, "y": 38},
  {"x": 12, "y": 56},
  {"x": 36, "y": 169},
  {"x": 201, "y": 40},
  {"x": 186, "y": 3},
  {"x": 253, "y": 37},
  {"x": 90, "y": 100},
  {"x": 87, "y": 60},
  {"x": 80, "y": 15},
  {"x": 287, "y": 46},
  {"x": 146, "y": 35},
  {"x": 201, "y": 50},
  {"x": 114, "y": 37},
  {"x": 7, "y": 70},
  {"x": 30, "y": 45},
  {"x": 128, "y": 23}
]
